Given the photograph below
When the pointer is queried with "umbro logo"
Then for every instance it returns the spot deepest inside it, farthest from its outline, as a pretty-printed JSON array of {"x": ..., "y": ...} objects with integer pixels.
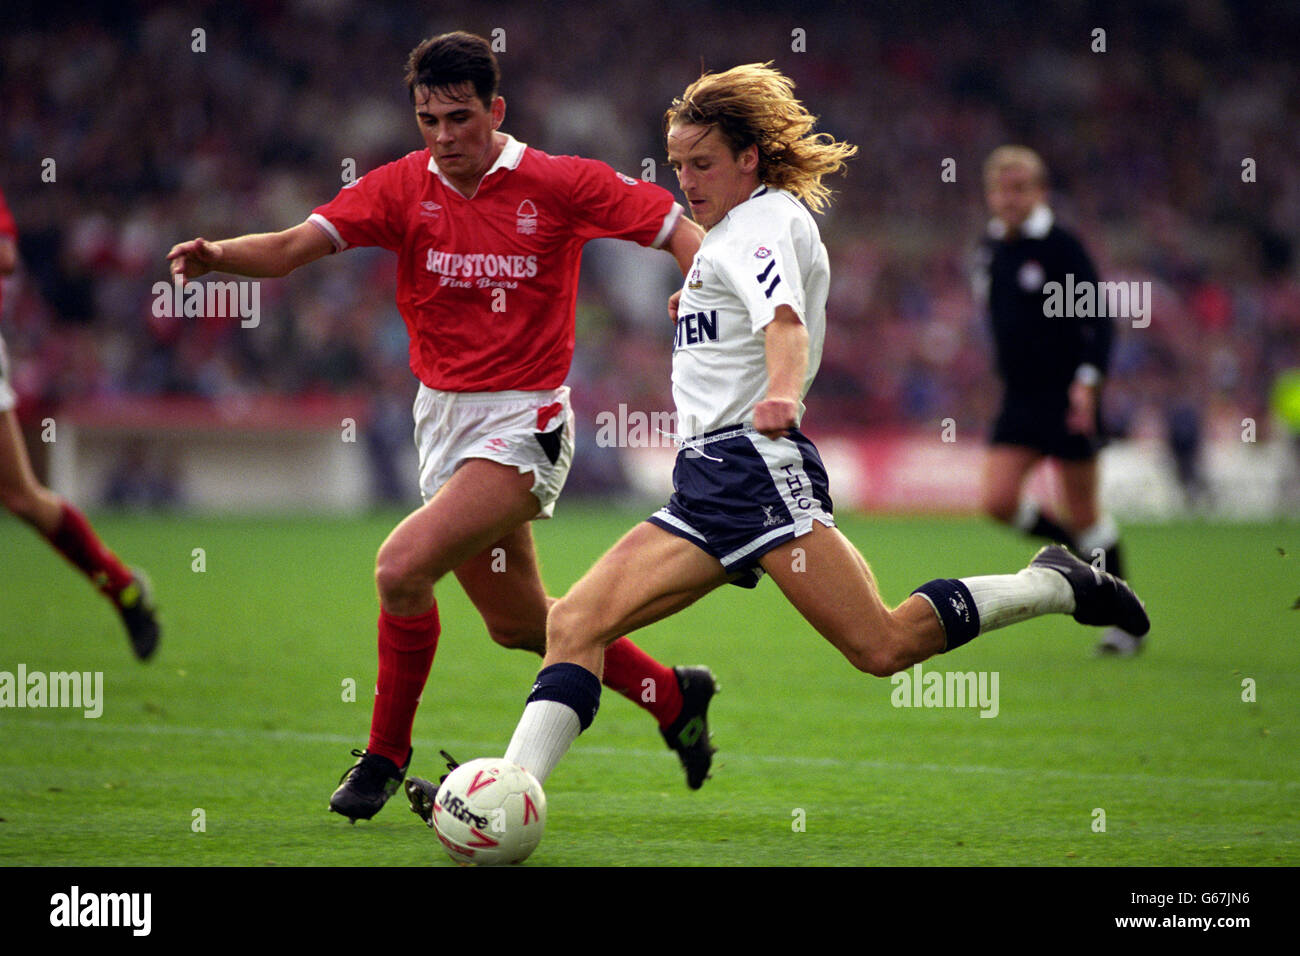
[
  {"x": 430, "y": 209},
  {"x": 691, "y": 733}
]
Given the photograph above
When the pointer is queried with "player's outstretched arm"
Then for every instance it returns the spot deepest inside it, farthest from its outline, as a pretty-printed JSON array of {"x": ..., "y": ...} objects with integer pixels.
[
  {"x": 261, "y": 255},
  {"x": 786, "y": 344},
  {"x": 683, "y": 242}
]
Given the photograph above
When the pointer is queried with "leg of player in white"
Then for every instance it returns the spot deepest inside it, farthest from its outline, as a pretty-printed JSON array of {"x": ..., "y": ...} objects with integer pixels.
[{"x": 650, "y": 574}]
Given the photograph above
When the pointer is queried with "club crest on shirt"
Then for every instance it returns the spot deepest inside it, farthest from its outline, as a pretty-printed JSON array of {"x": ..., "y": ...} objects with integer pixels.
[
  {"x": 1031, "y": 276},
  {"x": 526, "y": 218},
  {"x": 762, "y": 252}
]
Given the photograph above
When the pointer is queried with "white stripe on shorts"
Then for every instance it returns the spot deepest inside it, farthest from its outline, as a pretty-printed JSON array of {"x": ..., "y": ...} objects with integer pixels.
[
  {"x": 739, "y": 553},
  {"x": 667, "y": 517},
  {"x": 781, "y": 454}
]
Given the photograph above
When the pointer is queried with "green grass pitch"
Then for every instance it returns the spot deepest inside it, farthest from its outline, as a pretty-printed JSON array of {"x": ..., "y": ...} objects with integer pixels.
[{"x": 224, "y": 749}]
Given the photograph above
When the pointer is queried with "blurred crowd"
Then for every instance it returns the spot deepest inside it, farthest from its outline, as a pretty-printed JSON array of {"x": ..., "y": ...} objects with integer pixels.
[{"x": 1171, "y": 138}]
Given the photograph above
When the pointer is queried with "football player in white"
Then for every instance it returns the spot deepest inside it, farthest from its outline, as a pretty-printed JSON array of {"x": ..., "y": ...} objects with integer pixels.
[{"x": 750, "y": 491}]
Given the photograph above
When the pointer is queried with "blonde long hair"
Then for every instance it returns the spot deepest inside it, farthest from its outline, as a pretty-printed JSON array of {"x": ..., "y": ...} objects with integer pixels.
[{"x": 754, "y": 105}]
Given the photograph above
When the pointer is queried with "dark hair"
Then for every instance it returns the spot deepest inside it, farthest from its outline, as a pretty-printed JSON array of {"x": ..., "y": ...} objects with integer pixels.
[{"x": 451, "y": 60}]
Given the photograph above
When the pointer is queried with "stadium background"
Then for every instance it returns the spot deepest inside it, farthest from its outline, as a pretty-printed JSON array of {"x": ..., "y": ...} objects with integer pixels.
[
  {"x": 154, "y": 143},
  {"x": 267, "y": 617}
]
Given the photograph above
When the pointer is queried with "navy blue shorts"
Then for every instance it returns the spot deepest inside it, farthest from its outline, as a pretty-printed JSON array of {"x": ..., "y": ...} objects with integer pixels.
[{"x": 738, "y": 495}]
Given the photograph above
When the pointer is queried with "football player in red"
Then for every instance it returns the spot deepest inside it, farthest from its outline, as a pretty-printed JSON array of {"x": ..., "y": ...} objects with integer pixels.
[
  {"x": 489, "y": 234},
  {"x": 62, "y": 525}
]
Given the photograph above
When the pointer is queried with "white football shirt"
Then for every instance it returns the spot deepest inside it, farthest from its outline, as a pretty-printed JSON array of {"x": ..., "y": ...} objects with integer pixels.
[{"x": 765, "y": 252}]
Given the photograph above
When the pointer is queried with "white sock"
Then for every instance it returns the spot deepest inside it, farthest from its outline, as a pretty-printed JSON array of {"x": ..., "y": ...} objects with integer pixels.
[
  {"x": 1002, "y": 599},
  {"x": 1027, "y": 513},
  {"x": 543, "y": 736}
]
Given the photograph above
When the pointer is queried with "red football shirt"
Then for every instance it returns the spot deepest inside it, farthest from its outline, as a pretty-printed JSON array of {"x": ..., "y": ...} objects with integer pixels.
[
  {"x": 7, "y": 226},
  {"x": 487, "y": 285}
]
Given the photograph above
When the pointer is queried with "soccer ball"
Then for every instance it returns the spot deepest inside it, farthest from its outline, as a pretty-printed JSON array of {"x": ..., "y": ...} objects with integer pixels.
[{"x": 488, "y": 812}]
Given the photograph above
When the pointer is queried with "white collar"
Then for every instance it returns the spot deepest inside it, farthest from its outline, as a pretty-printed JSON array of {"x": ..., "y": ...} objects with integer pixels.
[
  {"x": 1036, "y": 225},
  {"x": 511, "y": 153}
]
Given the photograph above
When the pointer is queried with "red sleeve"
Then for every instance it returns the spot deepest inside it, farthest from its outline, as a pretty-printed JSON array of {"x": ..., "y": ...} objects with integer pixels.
[
  {"x": 7, "y": 225},
  {"x": 368, "y": 212},
  {"x": 606, "y": 203}
]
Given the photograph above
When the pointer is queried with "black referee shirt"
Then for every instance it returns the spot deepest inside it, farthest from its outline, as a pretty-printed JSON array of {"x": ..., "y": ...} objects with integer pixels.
[{"x": 1037, "y": 354}]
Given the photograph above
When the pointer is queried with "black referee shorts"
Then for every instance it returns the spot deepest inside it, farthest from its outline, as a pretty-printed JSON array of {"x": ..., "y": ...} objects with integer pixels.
[{"x": 1038, "y": 422}]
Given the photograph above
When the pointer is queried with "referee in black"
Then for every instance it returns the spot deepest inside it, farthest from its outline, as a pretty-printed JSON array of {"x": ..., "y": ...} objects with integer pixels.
[{"x": 1051, "y": 369}]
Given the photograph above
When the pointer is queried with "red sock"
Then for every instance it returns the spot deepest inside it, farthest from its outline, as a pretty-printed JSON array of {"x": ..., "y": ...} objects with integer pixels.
[
  {"x": 627, "y": 668},
  {"x": 406, "y": 648},
  {"x": 76, "y": 540}
]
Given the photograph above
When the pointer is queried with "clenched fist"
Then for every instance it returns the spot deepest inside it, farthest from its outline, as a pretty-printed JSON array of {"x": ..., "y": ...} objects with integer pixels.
[
  {"x": 774, "y": 417},
  {"x": 194, "y": 258}
]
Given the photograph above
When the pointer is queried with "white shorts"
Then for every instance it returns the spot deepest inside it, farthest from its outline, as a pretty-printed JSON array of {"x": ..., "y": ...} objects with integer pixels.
[
  {"x": 8, "y": 400},
  {"x": 531, "y": 431}
]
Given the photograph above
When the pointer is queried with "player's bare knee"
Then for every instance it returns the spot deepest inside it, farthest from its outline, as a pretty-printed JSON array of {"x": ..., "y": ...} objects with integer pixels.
[
  {"x": 570, "y": 628},
  {"x": 883, "y": 653},
  {"x": 518, "y": 635},
  {"x": 878, "y": 661},
  {"x": 397, "y": 578}
]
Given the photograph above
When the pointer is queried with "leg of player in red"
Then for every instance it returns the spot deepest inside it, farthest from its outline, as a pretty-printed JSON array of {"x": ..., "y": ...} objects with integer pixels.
[
  {"x": 72, "y": 536},
  {"x": 481, "y": 506}
]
